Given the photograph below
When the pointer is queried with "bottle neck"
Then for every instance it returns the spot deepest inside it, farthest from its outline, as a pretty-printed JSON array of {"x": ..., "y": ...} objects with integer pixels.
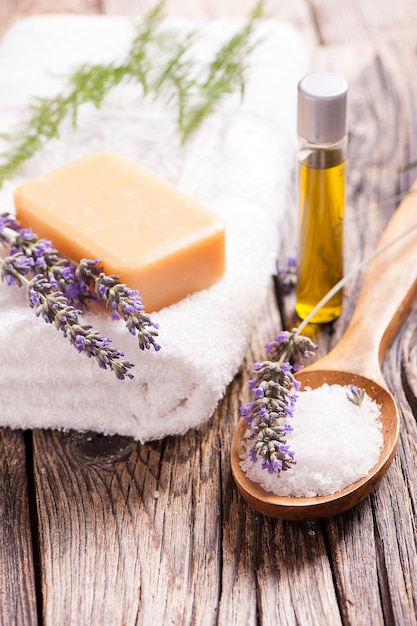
[{"x": 321, "y": 156}]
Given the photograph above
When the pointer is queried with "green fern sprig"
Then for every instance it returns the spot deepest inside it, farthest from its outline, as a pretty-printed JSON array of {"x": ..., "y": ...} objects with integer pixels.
[
  {"x": 226, "y": 74},
  {"x": 157, "y": 61}
]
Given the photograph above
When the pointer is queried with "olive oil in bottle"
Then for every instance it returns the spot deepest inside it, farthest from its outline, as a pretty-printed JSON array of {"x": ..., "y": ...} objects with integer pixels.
[{"x": 321, "y": 192}]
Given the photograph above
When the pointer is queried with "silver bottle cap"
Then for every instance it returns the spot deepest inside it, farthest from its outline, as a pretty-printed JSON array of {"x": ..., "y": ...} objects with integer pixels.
[{"x": 322, "y": 101}]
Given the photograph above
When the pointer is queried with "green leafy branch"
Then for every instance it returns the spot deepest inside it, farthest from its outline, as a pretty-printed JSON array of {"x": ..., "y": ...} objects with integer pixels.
[{"x": 161, "y": 64}]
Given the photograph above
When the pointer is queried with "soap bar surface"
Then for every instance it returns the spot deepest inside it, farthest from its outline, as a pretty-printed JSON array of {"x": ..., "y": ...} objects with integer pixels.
[{"x": 154, "y": 237}]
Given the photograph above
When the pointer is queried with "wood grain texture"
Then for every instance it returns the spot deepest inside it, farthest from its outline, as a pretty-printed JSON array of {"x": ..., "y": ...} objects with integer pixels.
[
  {"x": 133, "y": 536},
  {"x": 12, "y": 10},
  {"x": 354, "y": 21},
  {"x": 297, "y": 13},
  {"x": 17, "y": 575}
]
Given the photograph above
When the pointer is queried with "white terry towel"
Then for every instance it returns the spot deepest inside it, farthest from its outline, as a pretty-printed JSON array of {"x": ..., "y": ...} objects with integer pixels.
[{"x": 239, "y": 163}]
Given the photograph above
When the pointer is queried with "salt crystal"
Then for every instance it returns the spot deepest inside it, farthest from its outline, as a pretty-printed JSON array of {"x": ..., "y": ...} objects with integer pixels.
[{"x": 336, "y": 442}]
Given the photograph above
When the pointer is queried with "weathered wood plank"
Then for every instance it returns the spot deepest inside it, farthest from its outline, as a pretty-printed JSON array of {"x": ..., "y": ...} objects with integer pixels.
[
  {"x": 296, "y": 12},
  {"x": 129, "y": 534},
  {"x": 396, "y": 509},
  {"x": 18, "y": 603},
  {"x": 354, "y": 21},
  {"x": 352, "y": 552},
  {"x": 12, "y": 10},
  {"x": 295, "y": 576}
]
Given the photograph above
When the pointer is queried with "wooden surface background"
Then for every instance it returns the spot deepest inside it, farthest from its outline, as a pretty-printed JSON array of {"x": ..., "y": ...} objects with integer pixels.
[{"x": 105, "y": 531}]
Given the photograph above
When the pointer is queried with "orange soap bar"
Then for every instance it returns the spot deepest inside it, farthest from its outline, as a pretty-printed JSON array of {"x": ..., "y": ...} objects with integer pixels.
[{"x": 155, "y": 238}]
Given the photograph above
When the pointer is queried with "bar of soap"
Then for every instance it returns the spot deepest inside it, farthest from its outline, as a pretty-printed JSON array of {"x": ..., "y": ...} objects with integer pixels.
[{"x": 154, "y": 237}]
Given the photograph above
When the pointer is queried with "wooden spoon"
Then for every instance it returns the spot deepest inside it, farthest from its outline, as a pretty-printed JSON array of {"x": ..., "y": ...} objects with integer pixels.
[{"x": 389, "y": 287}]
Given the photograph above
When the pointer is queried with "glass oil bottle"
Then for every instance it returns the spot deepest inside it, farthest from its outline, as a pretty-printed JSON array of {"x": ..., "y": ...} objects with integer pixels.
[{"x": 322, "y": 141}]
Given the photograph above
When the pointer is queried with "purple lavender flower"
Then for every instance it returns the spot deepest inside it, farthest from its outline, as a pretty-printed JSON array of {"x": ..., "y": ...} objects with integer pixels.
[
  {"x": 58, "y": 290},
  {"x": 127, "y": 304},
  {"x": 272, "y": 403},
  {"x": 355, "y": 394},
  {"x": 274, "y": 399},
  {"x": 7, "y": 222},
  {"x": 14, "y": 267},
  {"x": 124, "y": 303},
  {"x": 291, "y": 346},
  {"x": 45, "y": 260},
  {"x": 78, "y": 282},
  {"x": 53, "y": 307},
  {"x": 287, "y": 275}
]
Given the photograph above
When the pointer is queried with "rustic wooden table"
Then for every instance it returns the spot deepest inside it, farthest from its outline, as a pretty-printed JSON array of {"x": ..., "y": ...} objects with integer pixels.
[{"x": 85, "y": 541}]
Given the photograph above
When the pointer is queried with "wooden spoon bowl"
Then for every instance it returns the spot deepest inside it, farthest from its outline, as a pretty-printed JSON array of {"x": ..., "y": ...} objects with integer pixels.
[
  {"x": 292, "y": 508},
  {"x": 388, "y": 289}
]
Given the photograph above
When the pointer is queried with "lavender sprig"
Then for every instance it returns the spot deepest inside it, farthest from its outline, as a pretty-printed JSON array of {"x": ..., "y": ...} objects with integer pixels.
[
  {"x": 273, "y": 401},
  {"x": 290, "y": 345},
  {"x": 124, "y": 303},
  {"x": 7, "y": 222},
  {"x": 56, "y": 268},
  {"x": 287, "y": 275},
  {"x": 274, "y": 394},
  {"x": 80, "y": 282},
  {"x": 54, "y": 308},
  {"x": 14, "y": 268},
  {"x": 59, "y": 289}
]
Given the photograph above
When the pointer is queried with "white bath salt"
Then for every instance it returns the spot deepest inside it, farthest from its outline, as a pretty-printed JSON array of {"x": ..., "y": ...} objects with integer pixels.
[{"x": 336, "y": 442}]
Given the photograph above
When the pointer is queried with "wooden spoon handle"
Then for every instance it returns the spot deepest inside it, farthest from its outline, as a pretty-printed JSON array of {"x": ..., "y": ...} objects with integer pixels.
[{"x": 389, "y": 286}]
